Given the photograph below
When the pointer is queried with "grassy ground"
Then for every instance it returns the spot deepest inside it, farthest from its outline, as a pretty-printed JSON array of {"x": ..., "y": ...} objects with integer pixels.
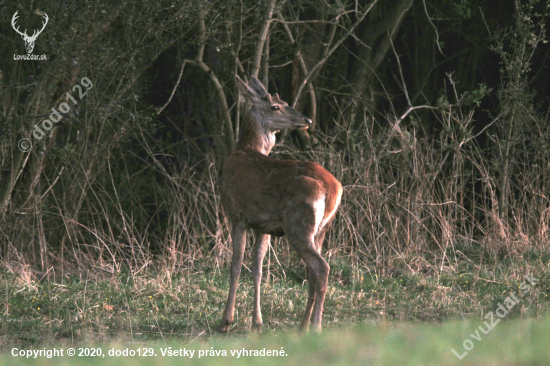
[
  {"x": 517, "y": 342},
  {"x": 406, "y": 317}
]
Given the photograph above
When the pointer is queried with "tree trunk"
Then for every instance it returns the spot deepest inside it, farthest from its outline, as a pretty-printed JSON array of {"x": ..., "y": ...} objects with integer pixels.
[{"x": 376, "y": 35}]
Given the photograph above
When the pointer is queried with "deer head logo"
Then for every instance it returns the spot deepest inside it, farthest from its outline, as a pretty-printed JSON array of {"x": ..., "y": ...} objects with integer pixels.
[{"x": 29, "y": 41}]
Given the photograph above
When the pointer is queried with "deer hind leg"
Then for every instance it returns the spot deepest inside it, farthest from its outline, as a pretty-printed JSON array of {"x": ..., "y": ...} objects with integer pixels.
[
  {"x": 238, "y": 236},
  {"x": 262, "y": 243},
  {"x": 304, "y": 327},
  {"x": 318, "y": 270}
]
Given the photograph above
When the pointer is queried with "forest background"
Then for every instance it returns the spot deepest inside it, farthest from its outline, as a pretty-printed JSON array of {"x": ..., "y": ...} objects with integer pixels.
[{"x": 434, "y": 114}]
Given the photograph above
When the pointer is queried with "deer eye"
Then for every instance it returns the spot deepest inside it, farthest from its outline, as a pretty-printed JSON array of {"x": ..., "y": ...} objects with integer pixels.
[{"x": 274, "y": 108}]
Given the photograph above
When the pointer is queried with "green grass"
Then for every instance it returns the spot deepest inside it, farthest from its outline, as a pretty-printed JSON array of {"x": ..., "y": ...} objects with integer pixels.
[
  {"x": 516, "y": 342},
  {"x": 413, "y": 315}
]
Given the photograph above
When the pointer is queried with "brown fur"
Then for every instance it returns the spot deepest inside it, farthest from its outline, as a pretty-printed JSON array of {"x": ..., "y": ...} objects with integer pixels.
[{"x": 256, "y": 188}]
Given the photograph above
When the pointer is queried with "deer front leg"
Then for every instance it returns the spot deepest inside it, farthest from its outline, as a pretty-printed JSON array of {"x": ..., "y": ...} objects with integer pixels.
[
  {"x": 262, "y": 243},
  {"x": 238, "y": 236}
]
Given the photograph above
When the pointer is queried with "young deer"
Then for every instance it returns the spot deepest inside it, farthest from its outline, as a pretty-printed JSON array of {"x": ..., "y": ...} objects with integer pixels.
[{"x": 295, "y": 198}]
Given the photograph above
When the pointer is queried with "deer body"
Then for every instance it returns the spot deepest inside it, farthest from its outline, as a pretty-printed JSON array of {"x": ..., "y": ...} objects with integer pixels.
[
  {"x": 276, "y": 197},
  {"x": 269, "y": 202}
]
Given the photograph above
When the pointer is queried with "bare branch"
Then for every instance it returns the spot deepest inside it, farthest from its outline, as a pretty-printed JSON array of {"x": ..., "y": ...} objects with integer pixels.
[
  {"x": 265, "y": 66},
  {"x": 303, "y": 66},
  {"x": 400, "y": 71},
  {"x": 330, "y": 52},
  {"x": 434, "y": 27},
  {"x": 262, "y": 38},
  {"x": 409, "y": 105},
  {"x": 230, "y": 136},
  {"x": 175, "y": 87},
  {"x": 410, "y": 109}
]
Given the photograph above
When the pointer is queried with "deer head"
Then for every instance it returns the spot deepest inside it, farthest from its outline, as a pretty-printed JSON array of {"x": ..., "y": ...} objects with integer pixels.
[
  {"x": 274, "y": 114},
  {"x": 29, "y": 41}
]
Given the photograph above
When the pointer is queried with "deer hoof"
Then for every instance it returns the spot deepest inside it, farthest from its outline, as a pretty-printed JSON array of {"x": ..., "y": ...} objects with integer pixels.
[
  {"x": 316, "y": 329},
  {"x": 256, "y": 327},
  {"x": 225, "y": 326}
]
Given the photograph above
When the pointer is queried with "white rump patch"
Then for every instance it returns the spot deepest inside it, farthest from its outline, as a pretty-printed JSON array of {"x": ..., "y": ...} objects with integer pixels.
[
  {"x": 319, "y": 210},
  {"x": 324, "y": 222}
]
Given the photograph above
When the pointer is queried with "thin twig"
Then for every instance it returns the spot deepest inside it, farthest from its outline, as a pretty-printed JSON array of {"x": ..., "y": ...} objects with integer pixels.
[
  {"x": 303, "y": 65},
  {"x": 175, "y": 87},
  {"x": 409, "y": 105},
  {"x": 53, "y": 184},
  {"x": 230, "y": 136},
  {"x": 329, "y": 53},
  {"x": 400, "y": 71},
  {"x": 434, "y": 27}
]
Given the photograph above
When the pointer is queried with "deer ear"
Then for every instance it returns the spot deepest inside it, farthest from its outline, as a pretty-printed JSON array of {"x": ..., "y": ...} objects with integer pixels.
[
  {"x": 246, "y": 90},
  {"x": 258, "y": 86}
]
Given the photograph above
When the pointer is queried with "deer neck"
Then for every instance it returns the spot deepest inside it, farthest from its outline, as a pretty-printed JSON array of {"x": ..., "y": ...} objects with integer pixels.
[{"x": 254, "y": 136}]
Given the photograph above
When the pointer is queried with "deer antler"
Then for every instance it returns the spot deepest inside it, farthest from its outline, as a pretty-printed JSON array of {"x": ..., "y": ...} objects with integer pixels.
[
  {"x": 29, "y": 41},
  {"x": 37, "y": 32},
  {"x": 13, "y": 20},
  {"x": 24, "y": 34}
]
